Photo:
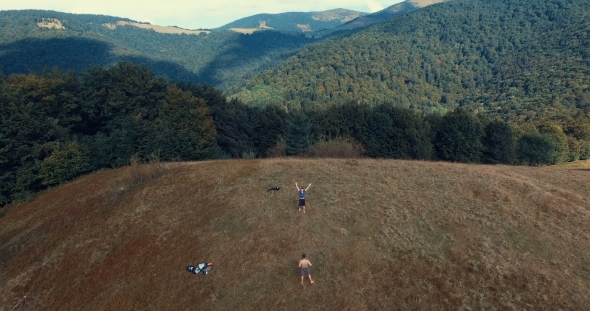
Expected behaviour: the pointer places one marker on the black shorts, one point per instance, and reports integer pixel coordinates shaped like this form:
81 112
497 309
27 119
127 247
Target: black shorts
305 270
301 202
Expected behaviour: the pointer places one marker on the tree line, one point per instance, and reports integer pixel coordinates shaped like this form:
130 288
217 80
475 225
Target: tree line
56 126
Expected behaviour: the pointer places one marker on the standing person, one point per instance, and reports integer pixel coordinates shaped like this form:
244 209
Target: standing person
304 265
302 193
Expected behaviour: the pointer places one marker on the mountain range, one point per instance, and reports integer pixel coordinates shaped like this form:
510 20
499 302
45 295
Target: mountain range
87 224
31 40
513 59
325 23
379 16
296 21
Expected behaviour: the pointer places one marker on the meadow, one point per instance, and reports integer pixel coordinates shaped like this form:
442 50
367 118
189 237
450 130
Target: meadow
381 235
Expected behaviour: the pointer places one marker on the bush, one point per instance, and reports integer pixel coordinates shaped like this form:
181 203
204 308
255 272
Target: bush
556 134
278 150
336 148
66 162
574 149
144 173
248 154
499 146
298 138
459 138
584 150
535 149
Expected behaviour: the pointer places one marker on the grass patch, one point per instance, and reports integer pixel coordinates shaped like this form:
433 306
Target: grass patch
381 234
523 242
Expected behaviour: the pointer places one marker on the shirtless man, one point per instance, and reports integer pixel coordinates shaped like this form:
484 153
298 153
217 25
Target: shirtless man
302 193
304 265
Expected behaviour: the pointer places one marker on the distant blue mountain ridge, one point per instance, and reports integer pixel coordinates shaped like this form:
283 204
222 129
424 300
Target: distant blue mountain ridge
296 21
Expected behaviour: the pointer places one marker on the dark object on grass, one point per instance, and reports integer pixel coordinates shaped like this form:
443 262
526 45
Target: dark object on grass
202 268
273 189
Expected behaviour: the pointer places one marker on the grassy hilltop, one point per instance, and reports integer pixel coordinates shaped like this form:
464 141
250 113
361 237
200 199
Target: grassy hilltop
381 234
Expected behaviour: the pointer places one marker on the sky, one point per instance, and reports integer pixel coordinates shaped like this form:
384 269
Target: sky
192 14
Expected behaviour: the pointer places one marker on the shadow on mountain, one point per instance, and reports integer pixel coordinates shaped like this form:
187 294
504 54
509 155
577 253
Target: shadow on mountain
34 55
250 54
247 55
78 54
169 70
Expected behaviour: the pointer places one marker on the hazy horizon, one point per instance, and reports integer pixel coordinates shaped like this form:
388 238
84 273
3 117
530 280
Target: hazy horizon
193 15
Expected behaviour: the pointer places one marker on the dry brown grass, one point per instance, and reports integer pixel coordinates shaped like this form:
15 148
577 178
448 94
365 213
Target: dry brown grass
248 31
583 165
262 26
341 148
423 3
381 234
50 23
156 28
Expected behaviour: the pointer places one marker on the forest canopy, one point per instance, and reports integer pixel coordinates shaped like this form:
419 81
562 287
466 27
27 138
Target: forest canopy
59 125
518 60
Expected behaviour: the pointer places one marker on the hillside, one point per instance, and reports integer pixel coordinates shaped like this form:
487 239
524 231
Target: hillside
514 59
296 21
32 40
381 234
369 19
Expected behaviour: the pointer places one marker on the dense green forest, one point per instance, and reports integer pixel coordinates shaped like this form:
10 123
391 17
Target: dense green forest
519 60
220 58
56 126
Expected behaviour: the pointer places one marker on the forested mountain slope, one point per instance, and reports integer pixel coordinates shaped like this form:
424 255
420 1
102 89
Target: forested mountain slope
517 59
218 58
379 16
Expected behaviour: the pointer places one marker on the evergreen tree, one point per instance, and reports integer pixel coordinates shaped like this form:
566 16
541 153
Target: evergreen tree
556 134
121 102
269 125
575 150
459 138
411 134
535 149
234 128
584 150
35 110
114 95
184 129
65 162
349 120
298 138
234 121
380 136
499 145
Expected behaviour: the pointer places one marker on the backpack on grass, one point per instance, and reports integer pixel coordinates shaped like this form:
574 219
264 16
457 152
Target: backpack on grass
202 268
